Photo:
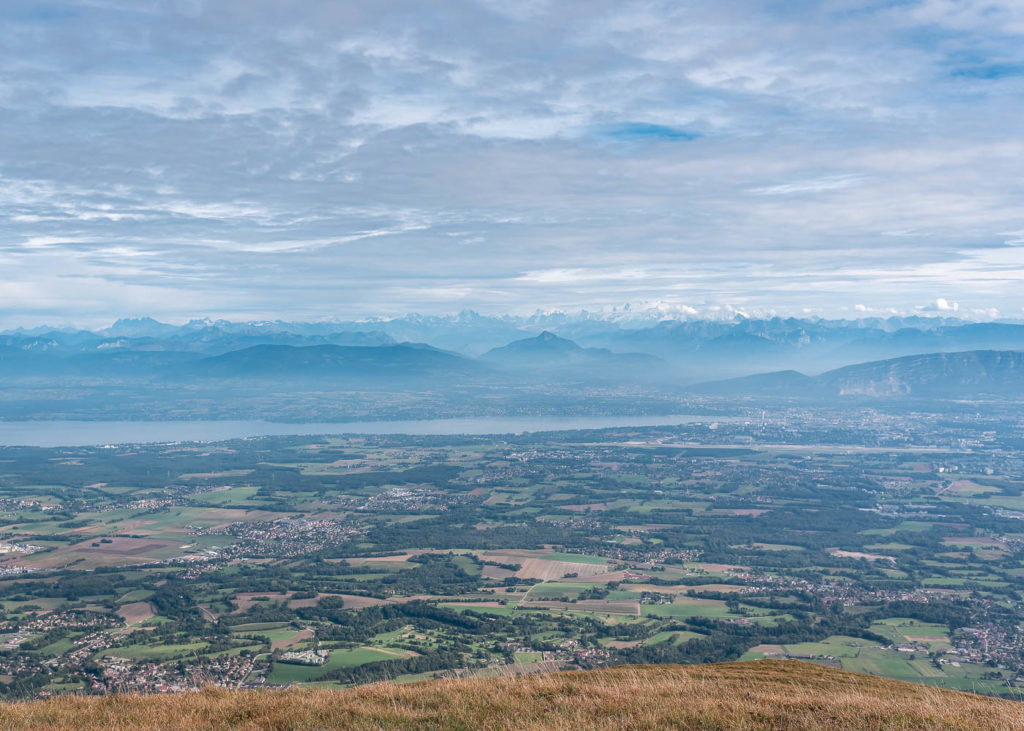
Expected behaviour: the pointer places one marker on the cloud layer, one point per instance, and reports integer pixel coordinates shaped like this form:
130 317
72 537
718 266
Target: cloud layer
314 158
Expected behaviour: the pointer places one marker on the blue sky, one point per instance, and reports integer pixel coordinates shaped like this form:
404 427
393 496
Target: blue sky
314 158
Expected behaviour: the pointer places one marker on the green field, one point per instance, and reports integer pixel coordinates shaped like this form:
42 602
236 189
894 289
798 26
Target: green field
284 673
155 652
574 558
374 547
684 607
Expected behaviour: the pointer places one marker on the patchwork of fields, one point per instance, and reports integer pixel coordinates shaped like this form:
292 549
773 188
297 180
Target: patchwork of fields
338 561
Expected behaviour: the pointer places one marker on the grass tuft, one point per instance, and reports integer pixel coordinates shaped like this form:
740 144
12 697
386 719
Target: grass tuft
766 694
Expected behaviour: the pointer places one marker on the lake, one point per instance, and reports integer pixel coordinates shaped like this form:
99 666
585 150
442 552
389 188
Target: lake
92 433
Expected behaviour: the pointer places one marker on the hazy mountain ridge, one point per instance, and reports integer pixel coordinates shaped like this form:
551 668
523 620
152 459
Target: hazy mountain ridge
699 348
937 375
209 340
404 361
967 374
555 356
668 354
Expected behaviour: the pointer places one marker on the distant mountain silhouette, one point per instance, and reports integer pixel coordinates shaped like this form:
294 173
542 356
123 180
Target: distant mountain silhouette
546 347
389 362
572 349
550 353
140 327
776 383
970 374
701 349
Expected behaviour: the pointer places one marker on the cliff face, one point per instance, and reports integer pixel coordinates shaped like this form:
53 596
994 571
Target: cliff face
768 694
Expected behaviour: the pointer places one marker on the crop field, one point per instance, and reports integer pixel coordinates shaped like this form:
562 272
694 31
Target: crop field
135 612
404 558
542 568
595 606
683 607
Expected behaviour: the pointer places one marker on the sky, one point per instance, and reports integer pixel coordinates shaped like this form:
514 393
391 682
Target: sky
308 159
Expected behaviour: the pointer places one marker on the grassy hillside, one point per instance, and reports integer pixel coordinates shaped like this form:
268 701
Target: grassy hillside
775 694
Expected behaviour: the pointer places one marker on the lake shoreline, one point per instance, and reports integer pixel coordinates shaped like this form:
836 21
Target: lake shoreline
54 433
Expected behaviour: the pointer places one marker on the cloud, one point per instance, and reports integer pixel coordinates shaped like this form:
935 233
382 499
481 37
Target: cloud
819 185
318 158
940 305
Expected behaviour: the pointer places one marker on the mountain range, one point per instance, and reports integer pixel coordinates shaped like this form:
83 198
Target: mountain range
871 358
696 349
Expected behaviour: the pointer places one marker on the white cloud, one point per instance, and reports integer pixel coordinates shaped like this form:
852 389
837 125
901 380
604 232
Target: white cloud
819 185
940 305
750 157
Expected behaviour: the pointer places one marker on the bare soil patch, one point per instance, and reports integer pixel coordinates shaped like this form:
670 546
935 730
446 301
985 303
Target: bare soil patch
213 475
973 541
134 525
124 546
244 600
496 572
859 554
769 650
602 606
308 601
397 558
597 578
724 568
538 568
516 555
391 651
135 612
967 487
623 644
354 601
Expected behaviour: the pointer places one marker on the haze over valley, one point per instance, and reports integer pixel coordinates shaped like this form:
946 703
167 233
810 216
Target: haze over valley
471 365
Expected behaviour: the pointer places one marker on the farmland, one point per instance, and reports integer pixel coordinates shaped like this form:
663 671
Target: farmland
338 560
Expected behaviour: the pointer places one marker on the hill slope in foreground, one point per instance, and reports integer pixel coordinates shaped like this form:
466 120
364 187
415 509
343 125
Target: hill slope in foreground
776 694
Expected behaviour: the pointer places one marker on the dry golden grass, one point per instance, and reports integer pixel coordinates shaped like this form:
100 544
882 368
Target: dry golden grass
767 694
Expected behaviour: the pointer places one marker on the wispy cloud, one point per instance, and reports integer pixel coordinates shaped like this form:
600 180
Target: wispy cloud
315 157
817 185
